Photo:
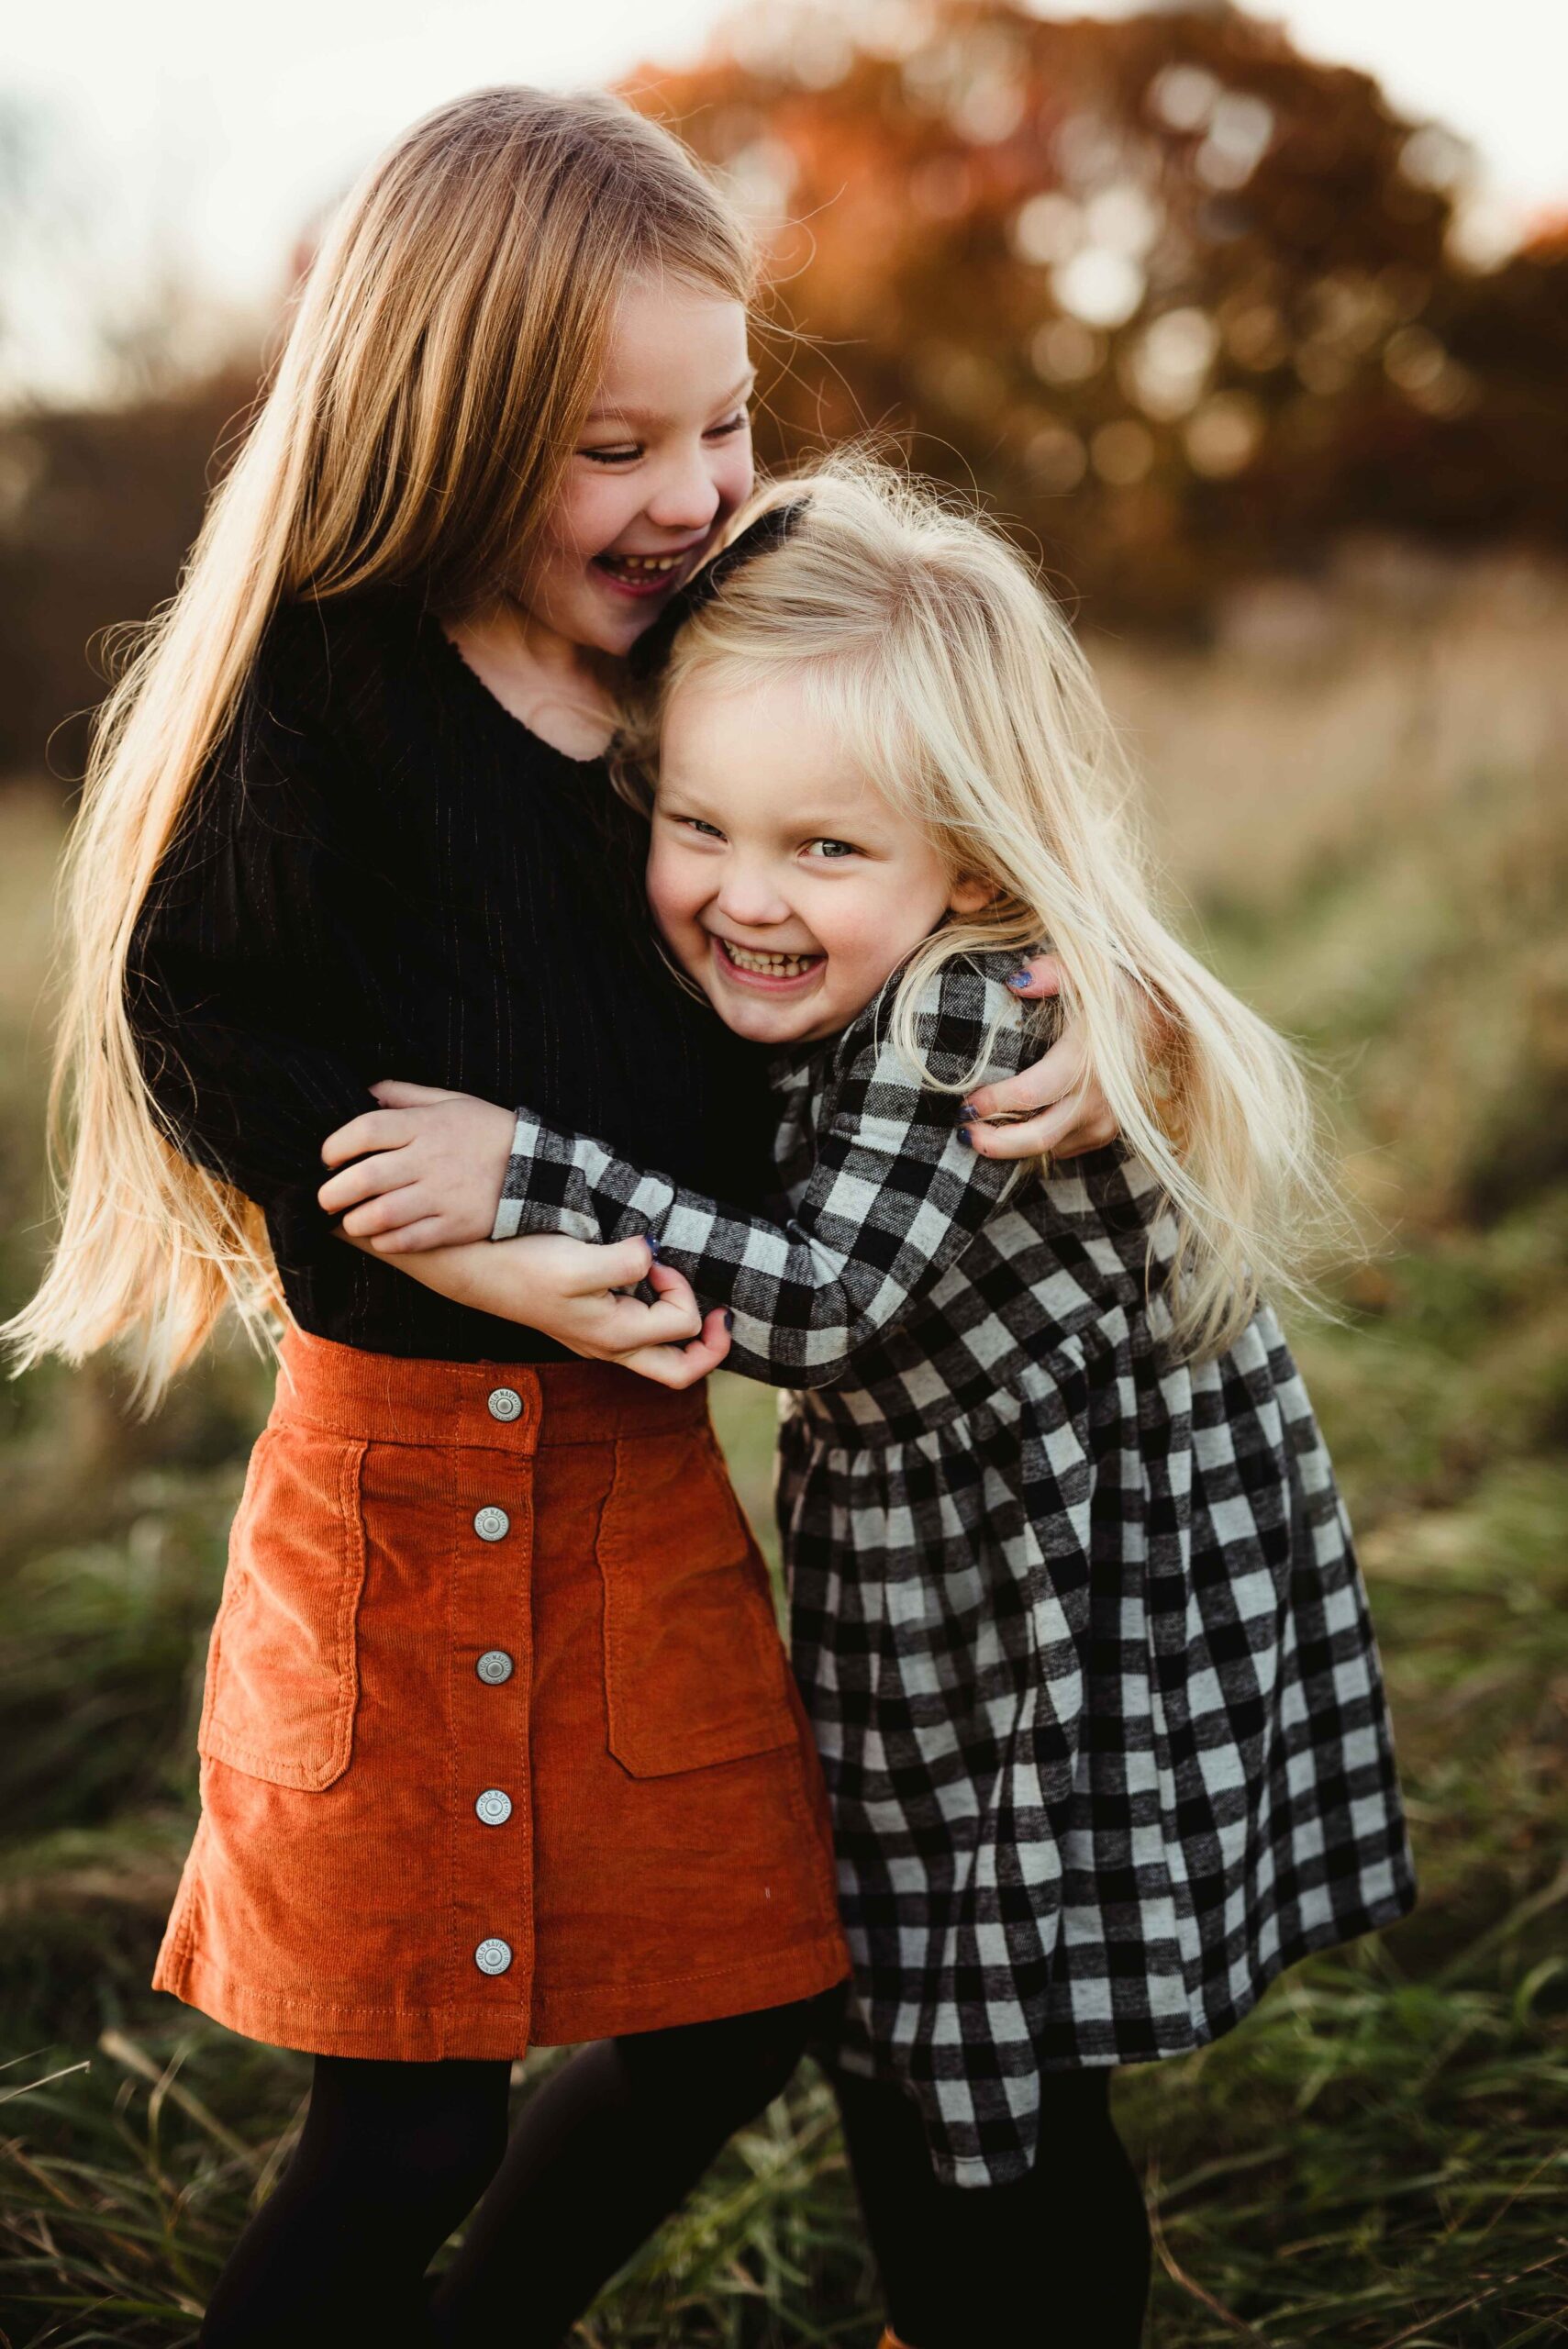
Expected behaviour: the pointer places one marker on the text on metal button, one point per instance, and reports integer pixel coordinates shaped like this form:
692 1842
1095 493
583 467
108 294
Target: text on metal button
493 1666
506 1403
493 1956
493 1807
492 1524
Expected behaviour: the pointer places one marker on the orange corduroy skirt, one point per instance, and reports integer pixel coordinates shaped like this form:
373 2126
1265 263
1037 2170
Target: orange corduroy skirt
499 1741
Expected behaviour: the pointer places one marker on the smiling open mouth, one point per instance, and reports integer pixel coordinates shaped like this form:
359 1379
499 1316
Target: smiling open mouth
757 965
644 574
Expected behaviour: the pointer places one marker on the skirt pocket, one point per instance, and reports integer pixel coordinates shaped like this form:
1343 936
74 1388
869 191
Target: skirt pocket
283 1678
695 1670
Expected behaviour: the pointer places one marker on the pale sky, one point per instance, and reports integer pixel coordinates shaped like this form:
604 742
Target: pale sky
195 137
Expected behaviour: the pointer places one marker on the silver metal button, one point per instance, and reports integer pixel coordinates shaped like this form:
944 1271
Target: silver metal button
493 1956
506 1403
493 1807
492 1524
493 1666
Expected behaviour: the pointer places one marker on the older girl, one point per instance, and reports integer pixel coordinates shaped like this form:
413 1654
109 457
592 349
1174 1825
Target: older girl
1075 1610
498 1743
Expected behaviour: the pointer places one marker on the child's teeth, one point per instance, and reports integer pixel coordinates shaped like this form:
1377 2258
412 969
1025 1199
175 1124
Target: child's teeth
773 967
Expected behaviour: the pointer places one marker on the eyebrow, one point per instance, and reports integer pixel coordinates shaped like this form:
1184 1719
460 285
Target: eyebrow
651 415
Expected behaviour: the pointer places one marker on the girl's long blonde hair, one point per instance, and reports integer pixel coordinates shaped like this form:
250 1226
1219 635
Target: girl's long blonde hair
444 349
962 694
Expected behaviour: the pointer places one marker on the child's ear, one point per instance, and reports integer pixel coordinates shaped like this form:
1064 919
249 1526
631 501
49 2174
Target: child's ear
970 894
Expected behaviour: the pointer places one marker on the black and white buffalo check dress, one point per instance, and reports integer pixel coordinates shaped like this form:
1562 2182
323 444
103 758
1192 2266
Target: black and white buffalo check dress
1080 1626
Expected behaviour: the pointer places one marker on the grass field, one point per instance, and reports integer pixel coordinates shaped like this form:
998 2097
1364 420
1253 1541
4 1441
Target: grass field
1365 817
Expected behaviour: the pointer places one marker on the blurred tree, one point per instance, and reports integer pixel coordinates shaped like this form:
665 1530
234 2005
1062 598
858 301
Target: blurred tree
1177 298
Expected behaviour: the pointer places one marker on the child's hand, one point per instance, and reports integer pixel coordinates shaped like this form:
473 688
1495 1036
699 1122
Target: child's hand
433 1178
1055 1108
679 1365
583 1295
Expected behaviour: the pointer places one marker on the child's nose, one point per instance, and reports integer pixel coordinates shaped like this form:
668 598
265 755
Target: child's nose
686 497
749 897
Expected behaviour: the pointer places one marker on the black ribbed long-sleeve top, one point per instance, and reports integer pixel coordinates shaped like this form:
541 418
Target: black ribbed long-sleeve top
384 874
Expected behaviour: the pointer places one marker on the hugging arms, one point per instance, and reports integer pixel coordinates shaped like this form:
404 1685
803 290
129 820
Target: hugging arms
418 1181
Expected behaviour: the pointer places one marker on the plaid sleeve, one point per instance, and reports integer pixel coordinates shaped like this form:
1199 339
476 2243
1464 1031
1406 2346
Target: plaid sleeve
894 1198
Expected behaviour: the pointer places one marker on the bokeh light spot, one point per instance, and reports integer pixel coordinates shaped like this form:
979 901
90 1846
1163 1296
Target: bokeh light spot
1123 221
1240 131
1225 434
1102 289
1064 350
1183 97
1047 228
1166 368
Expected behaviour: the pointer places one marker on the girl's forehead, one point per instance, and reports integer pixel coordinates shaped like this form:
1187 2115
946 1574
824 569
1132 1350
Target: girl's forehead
671 346
765 747
731 724
722 702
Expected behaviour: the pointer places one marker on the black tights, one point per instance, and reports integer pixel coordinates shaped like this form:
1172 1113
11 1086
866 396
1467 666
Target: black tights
1058 2260
611 2144
392 2156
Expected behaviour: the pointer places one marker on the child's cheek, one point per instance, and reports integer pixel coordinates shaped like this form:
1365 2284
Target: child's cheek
590 515
676 897
873 928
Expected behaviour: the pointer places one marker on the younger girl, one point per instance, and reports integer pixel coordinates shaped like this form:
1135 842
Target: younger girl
1075 1611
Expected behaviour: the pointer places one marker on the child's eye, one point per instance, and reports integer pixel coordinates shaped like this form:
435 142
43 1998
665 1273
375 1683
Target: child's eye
630 453
697 824
833 849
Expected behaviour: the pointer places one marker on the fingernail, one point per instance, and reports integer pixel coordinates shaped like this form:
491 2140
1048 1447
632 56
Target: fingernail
966 1138
729 1320
1020 979
968 1112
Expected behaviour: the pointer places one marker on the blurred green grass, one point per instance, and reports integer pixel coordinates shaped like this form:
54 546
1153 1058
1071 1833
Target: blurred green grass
1372 842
